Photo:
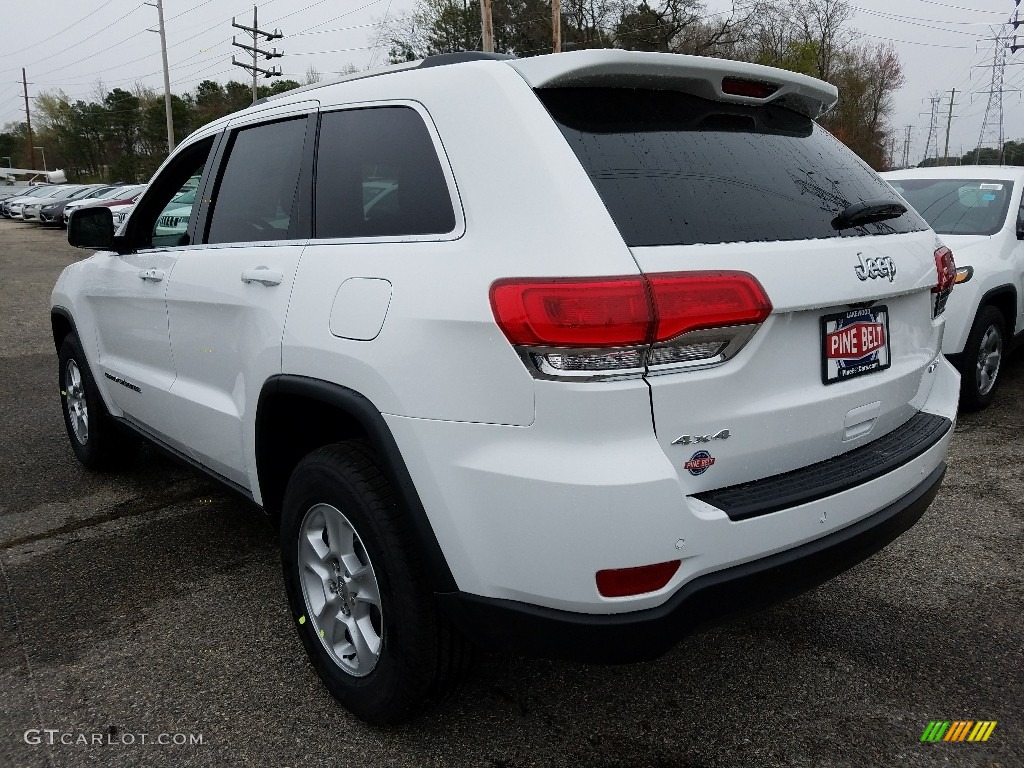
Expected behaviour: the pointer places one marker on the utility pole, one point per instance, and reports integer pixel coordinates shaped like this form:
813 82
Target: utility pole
556 26
949 122
255 31
932 125
906 148
486 26
28 121
159 5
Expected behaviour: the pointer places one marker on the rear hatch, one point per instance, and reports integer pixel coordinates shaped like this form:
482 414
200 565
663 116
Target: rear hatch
701 185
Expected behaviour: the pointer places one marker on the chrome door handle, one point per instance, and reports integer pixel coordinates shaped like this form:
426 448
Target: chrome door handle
262 275
151 275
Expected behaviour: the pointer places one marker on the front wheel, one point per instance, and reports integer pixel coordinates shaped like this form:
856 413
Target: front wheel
982 359
95 438
358 591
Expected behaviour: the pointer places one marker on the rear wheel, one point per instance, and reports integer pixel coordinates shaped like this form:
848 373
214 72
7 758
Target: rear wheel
358 589
982 359
95 437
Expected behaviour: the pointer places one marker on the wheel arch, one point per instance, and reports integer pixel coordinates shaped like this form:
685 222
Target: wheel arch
297 414
61 323
1003 298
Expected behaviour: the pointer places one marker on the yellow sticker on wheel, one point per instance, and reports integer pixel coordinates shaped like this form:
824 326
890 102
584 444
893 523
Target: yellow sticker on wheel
302 619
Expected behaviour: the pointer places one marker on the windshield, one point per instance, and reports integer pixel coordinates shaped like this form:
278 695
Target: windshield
185 197
52 192
111 193
958 206
675 169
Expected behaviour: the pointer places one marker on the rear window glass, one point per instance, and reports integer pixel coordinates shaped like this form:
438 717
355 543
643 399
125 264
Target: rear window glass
675 169
958 206
378 175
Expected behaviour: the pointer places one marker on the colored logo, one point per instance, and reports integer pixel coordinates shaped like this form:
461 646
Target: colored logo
958 730
855 341
699 463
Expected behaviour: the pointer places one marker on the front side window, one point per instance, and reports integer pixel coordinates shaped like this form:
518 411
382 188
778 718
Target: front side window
958 206
378 175
148 226
172 224
256 194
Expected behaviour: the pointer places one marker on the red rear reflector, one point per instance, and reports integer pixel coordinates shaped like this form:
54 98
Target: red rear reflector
946 269
624 311
694 301
736 86
622 582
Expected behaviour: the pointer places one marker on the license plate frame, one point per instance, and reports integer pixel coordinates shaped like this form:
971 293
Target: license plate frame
846 334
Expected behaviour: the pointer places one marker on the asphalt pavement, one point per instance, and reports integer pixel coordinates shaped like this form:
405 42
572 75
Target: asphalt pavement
147 607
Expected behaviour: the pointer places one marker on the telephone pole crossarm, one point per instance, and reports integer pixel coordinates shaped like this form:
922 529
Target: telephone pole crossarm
274 72
256 51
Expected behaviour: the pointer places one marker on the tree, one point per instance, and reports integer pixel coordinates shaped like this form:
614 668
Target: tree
312 75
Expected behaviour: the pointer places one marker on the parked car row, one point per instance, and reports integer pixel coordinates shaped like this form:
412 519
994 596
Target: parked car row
53 204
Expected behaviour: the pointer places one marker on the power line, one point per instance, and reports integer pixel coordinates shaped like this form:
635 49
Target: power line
61 32
906 20
959 7
918 42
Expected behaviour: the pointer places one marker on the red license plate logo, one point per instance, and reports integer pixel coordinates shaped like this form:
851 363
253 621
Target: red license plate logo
855 341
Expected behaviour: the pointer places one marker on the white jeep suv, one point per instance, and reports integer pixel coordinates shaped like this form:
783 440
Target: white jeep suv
565 355
978 210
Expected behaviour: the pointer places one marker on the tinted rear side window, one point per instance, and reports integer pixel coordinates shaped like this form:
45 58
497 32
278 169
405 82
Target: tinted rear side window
378 175
675 169
256 193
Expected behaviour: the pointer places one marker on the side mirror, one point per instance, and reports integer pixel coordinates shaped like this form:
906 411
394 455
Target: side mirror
92 228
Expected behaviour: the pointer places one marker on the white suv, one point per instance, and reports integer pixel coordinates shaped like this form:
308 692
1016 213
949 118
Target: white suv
978 210
565 355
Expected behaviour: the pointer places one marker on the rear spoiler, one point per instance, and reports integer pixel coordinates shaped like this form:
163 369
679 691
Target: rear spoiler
696 75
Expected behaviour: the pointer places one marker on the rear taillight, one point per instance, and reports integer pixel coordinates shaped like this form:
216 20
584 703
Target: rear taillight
945 268
624 326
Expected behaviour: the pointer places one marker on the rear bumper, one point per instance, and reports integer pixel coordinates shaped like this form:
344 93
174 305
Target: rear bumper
709 599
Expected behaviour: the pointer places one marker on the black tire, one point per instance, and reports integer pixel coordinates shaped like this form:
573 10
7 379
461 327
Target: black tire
103 445
421 655
976 390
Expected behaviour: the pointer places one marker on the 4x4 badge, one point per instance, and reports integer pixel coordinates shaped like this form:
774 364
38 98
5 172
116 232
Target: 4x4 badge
874 267
692 439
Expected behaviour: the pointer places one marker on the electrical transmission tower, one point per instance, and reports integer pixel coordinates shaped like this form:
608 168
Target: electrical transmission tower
994 107
933 125
256 32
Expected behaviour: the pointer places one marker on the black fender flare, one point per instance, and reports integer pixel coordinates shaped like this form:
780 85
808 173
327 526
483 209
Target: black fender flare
369 417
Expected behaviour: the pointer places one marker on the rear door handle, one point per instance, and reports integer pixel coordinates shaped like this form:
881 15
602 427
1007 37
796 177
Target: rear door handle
151 275
262 275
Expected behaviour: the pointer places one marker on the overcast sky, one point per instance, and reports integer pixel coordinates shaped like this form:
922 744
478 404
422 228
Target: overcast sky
70 47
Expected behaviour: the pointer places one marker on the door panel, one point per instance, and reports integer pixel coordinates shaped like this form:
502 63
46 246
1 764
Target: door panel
227 299
226 341
135 362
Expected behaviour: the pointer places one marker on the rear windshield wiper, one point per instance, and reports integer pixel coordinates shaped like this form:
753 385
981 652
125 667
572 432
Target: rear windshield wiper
867 212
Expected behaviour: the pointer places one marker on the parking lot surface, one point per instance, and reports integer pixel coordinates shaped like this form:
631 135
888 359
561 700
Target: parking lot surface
150 605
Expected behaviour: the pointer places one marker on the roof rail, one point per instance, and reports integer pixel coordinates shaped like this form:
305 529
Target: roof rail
443 59
437 60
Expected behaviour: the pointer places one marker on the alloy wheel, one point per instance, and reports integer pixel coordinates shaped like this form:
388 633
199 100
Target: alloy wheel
78 409
990 355
340 590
